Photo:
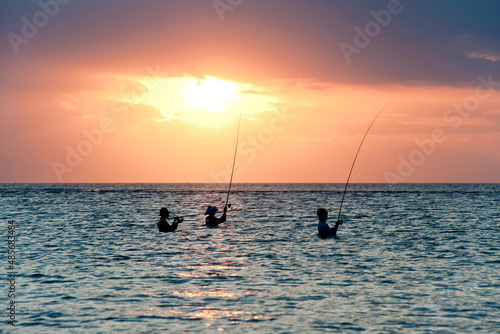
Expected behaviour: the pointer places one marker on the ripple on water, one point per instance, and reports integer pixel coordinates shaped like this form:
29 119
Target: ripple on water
409 258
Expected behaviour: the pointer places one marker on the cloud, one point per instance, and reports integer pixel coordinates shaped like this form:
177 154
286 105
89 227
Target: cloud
251 91
487 56
84 64
293 39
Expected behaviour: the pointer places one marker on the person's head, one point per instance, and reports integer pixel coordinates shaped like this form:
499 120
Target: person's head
322 214
211 210
164 213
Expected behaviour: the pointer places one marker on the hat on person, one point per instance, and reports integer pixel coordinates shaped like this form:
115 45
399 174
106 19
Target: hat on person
211 210
163 210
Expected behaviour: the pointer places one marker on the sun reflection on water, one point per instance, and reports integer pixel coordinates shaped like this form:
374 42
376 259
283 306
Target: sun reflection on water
211 292
202 313
227 268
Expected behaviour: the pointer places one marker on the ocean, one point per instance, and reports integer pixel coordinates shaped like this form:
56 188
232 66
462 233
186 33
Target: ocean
409 258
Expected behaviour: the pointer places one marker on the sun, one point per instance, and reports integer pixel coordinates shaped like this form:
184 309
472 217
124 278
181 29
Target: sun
204 102
211 94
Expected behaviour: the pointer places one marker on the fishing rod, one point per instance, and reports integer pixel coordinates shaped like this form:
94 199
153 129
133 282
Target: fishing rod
234 161
201 214
359 148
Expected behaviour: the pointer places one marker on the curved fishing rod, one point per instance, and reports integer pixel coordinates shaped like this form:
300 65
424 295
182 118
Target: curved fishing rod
359 148
234 160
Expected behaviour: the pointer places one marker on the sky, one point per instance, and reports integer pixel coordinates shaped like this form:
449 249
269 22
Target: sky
152 91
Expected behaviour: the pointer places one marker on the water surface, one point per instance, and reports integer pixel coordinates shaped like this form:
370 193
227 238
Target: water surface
415 258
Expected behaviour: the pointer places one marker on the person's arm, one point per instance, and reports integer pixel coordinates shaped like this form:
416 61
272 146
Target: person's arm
167 227
222 218
175 224
334 230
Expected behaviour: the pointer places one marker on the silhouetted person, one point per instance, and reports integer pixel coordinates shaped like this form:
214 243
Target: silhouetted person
324 231
211 220
163 225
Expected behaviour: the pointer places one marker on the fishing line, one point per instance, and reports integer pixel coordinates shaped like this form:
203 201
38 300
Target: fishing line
359 148
201 214
234 160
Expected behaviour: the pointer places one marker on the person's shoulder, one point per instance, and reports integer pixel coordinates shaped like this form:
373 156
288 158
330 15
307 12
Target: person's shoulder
163 221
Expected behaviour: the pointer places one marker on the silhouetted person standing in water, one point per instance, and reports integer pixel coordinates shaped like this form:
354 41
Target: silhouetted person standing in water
324 231
163 225
211 220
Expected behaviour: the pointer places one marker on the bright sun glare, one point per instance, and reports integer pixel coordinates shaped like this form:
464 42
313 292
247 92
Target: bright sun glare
205 102
211 94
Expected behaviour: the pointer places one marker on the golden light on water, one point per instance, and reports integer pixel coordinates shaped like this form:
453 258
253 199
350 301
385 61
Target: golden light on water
211 270
201 312
219 293
206 313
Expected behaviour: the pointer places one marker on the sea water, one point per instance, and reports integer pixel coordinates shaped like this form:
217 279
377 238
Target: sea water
409 258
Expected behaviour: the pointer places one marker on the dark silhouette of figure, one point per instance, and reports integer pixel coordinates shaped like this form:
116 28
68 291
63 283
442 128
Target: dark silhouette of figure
163 225
211 220
324 231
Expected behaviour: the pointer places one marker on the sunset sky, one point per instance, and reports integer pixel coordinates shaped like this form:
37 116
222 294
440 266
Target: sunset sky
151 91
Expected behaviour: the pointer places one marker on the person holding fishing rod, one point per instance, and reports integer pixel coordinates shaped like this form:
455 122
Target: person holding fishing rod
163 225
213 221
324 230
